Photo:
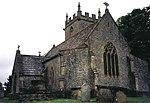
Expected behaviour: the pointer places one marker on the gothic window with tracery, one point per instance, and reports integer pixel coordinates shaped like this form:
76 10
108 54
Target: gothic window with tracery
110 58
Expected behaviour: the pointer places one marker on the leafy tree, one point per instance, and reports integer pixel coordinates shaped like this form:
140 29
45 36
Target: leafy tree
8 86
135 26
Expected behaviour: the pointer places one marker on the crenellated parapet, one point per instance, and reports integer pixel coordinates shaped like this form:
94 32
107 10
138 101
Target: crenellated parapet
79 21
80 16
75 17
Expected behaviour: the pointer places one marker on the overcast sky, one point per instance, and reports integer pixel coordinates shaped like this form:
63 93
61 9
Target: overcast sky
36 25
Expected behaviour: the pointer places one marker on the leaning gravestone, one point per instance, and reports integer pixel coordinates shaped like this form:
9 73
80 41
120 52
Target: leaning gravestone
104 96
121 97
85 92
1 91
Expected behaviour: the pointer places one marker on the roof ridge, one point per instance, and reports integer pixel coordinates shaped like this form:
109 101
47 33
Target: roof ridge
31 55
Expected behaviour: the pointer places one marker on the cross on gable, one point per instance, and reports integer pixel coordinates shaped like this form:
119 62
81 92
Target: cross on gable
39 53
18 47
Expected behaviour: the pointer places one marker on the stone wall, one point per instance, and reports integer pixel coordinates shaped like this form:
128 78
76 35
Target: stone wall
32 84
105 32
77 68
53 74
141 73
81 56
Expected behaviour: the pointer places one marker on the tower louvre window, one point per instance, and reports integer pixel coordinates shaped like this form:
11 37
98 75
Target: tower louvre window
71 31
110 57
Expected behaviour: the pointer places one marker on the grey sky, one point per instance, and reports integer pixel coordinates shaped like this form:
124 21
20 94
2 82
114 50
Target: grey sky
36 25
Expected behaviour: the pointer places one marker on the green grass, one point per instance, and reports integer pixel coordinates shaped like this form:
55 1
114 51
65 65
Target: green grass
138 100
129 99
50 101
57 101
6 100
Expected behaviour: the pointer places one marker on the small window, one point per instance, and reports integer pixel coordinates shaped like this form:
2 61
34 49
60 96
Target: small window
71 30
108 24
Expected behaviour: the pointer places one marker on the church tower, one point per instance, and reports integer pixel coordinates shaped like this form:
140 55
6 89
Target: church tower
78 22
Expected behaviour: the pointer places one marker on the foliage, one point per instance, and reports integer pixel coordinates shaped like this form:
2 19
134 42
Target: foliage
8 86
135 26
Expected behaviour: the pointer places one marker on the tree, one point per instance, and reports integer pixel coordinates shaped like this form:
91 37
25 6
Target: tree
135 26
8 86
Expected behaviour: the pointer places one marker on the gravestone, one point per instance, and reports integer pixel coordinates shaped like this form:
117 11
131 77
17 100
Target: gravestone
121 97
104 96
85 92
1 91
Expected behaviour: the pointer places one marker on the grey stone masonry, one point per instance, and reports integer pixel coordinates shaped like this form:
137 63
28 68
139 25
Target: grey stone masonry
27 69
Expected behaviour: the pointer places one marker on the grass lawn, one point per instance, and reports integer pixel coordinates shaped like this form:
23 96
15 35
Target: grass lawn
50 101
138 100
129 99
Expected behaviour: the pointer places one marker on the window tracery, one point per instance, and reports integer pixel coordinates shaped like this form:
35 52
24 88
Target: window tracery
110 57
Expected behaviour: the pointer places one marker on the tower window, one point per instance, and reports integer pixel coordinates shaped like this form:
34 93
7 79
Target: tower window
71 30
110 57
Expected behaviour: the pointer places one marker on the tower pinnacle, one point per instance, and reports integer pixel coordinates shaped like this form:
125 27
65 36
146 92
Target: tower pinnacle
99 13
79 9
66 18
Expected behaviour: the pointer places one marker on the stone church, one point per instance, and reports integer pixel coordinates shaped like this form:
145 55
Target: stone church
94 51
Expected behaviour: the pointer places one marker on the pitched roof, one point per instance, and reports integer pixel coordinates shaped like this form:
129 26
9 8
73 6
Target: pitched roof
31 65
72 42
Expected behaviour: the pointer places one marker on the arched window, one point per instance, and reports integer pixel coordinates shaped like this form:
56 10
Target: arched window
51 75
71 30
110 57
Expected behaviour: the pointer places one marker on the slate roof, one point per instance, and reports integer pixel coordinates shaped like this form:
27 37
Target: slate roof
32 65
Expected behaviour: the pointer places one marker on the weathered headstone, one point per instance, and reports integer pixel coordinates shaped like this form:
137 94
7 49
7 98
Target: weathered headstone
104 96
1 91
85 92
121 97
76 94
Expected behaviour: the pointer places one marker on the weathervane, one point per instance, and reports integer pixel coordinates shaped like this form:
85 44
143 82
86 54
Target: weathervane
106 4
